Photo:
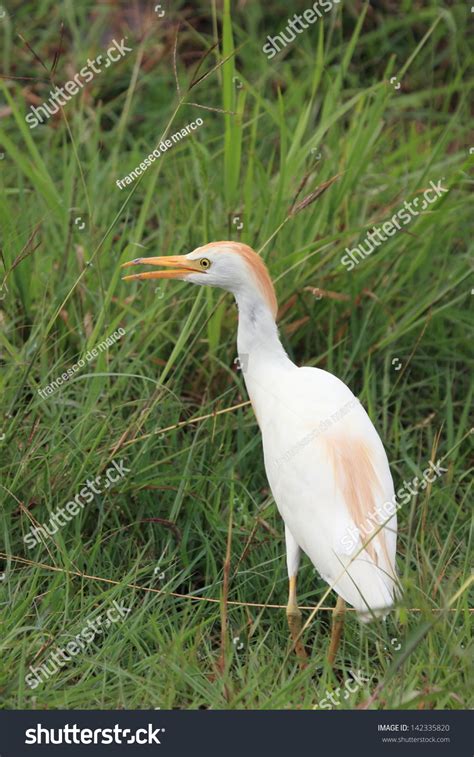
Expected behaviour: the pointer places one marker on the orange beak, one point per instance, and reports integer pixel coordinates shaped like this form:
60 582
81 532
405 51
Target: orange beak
182 266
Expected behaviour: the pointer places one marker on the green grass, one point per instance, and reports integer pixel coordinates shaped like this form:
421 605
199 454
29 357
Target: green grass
194 494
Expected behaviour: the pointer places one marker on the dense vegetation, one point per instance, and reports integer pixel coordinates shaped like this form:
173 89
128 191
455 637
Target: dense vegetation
166 398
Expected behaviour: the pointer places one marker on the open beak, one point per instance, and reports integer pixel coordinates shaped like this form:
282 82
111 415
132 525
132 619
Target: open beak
181 265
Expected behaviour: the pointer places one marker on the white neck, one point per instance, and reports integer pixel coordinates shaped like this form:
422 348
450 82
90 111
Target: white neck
257 334
260 351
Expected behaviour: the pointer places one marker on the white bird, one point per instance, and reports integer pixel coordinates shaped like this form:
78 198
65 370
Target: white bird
325 462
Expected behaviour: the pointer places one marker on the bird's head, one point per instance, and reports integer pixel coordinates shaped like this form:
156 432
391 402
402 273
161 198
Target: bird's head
232 266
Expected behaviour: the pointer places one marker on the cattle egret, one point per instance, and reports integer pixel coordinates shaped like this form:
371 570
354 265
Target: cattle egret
325 463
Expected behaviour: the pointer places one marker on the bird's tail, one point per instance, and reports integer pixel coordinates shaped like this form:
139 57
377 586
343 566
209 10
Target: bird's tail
372 591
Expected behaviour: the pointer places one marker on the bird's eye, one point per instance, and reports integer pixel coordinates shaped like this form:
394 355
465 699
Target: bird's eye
205 263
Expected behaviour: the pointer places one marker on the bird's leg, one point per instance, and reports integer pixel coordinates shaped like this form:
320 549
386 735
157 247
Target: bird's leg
336 631
293 614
